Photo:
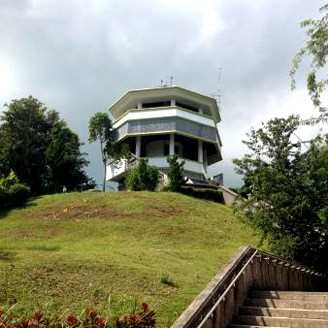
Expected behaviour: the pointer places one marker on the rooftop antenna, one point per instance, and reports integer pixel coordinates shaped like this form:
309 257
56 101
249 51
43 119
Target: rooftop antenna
162 83
171 80
218 95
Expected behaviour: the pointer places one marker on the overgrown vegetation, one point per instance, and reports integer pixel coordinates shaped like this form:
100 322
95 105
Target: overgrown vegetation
12 193
175 173
142 177
67 252
287 191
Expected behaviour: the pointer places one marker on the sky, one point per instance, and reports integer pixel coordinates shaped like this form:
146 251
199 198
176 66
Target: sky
79 56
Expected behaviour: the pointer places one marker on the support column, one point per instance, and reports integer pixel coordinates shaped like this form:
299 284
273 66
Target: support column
171 144
139 105
138 146
173 103
200 152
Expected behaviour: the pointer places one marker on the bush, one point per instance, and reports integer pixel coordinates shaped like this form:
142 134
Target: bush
166 279
175 173
19 194
143 177
12 193
4 197
208 194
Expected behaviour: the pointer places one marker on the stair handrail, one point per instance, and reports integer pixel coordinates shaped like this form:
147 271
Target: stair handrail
231 285
296 266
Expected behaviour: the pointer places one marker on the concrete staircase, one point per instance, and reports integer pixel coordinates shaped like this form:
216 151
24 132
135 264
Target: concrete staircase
283 309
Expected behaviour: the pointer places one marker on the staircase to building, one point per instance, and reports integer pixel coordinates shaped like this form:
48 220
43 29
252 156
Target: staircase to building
257 289
283 309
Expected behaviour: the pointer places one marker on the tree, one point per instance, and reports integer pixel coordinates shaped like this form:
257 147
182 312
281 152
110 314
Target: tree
65 160
27 131
175 173
100 128
316 48
288 191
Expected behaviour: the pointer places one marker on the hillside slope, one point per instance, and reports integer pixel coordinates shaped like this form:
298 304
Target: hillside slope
70 251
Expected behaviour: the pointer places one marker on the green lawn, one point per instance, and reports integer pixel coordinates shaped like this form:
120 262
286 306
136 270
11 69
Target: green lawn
66 252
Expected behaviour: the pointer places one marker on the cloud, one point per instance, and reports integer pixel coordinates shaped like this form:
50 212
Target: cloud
78 56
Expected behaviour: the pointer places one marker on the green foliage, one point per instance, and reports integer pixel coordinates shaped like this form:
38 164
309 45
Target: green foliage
37 145
166 279
9 181
100 129
143 177
12 193
316 49
288 191
65 160
204 193
19 194
175 173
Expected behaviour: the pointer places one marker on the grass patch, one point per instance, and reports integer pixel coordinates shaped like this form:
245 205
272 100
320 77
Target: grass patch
67 252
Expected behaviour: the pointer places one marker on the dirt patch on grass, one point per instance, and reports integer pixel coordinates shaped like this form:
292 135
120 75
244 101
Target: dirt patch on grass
80 212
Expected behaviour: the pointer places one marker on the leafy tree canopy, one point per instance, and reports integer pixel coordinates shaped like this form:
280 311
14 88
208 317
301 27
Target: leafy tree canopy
316 49
287 191
33 142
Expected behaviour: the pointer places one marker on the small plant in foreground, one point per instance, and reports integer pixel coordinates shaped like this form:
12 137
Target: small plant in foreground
90 318
166 279
145 318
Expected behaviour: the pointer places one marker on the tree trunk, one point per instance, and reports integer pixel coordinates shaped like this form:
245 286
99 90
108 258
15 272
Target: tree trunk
105 166
105 173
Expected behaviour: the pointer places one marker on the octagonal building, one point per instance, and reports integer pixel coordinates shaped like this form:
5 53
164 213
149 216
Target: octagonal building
158 122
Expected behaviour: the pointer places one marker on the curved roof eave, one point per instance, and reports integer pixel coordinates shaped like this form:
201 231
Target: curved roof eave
163 91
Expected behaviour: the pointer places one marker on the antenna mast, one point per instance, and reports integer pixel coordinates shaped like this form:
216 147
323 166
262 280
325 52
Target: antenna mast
217 94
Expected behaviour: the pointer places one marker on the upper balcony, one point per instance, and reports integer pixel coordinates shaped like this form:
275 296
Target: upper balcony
172 119
160 98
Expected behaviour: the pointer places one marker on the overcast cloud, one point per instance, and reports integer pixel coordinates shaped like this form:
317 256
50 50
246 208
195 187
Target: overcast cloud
79 56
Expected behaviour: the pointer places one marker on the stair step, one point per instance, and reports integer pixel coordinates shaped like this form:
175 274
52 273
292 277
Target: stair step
284 295
279 312
281 321
291 304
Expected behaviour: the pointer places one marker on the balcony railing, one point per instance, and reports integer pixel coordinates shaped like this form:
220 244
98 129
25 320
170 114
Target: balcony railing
118 170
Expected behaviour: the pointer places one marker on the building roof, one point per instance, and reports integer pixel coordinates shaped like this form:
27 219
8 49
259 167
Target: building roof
131 98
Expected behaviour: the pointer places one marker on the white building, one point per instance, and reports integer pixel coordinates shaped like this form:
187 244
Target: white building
159 122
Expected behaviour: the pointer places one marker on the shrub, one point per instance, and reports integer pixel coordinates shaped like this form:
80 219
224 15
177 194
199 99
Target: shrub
4 197
166 279
143 177
175 173
12 193
19 194
206 193
9 180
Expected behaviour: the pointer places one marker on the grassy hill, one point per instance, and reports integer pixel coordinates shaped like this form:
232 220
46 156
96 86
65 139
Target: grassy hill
66 252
